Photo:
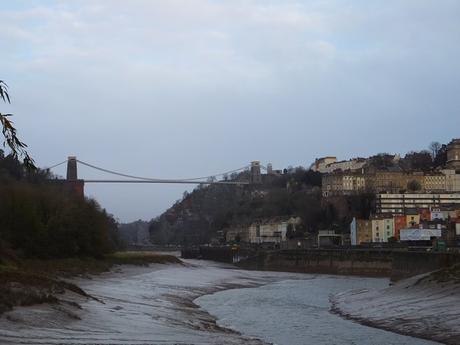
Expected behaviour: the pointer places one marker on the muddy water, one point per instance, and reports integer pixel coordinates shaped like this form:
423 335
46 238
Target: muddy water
154 305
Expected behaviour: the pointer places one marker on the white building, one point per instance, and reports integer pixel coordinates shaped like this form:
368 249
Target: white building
419 234
320 164
271 230
327 165
382 229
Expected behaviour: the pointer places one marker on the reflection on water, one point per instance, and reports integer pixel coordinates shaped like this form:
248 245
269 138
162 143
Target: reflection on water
154 305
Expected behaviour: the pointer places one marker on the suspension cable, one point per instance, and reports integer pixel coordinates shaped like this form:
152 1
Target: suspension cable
55 165
150 178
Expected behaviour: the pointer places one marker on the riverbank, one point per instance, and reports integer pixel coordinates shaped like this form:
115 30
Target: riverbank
134 305
156 304
29 282
425 306
297 312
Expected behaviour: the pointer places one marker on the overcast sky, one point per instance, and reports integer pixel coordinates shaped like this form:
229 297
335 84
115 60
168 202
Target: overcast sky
188 88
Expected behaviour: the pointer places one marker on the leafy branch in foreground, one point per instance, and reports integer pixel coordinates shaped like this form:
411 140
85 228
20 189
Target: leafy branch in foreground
17 147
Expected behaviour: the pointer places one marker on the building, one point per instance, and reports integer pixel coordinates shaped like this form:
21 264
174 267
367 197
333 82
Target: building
320 164
343 183
412 218
389 181
360 231
453 154
382 229
353 232
328 238
353 183
379 181
399 223
435 182
452 180
425 215
327 165
269 169
400 203
236 234
436 213
272 230
353 164
419 234
392 181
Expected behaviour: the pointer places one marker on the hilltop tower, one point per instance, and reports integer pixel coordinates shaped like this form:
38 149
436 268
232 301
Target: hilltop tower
269 169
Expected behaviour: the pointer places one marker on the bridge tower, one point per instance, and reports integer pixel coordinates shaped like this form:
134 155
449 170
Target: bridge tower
256 176
72 168
74 184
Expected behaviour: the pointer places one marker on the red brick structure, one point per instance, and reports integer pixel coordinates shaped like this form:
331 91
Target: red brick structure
400 223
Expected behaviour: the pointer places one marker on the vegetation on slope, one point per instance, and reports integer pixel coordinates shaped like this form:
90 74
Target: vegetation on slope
297 191
199 215
40 218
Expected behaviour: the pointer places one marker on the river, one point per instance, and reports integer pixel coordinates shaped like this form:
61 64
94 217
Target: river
197 303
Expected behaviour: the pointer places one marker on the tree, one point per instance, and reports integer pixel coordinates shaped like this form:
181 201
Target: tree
418 160
441 158
17 147
382 161
414 186
434 148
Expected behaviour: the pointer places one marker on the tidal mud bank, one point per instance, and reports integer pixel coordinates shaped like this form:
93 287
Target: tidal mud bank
133 305
426 306
32 281
157 304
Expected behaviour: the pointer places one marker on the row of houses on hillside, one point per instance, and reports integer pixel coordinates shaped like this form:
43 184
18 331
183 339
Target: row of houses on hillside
356 176
388 228
389 181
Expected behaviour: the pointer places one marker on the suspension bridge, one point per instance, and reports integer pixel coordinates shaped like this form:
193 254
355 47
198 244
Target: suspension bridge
72 179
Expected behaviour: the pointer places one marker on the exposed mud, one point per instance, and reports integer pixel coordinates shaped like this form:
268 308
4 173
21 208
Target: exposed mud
426 306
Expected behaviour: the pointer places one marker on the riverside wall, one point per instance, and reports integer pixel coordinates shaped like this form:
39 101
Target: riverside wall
408 264
395 264
340 261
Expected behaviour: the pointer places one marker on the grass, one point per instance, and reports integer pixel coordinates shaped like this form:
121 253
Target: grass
141 258
33 281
